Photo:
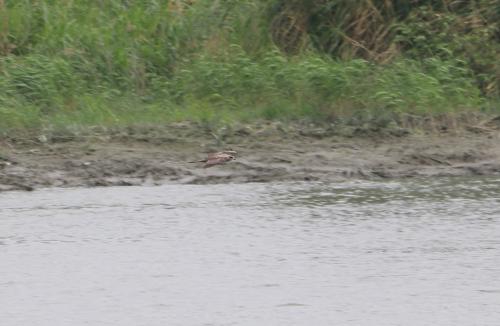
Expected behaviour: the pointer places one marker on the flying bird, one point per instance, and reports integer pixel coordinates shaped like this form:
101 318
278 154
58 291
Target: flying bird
217 158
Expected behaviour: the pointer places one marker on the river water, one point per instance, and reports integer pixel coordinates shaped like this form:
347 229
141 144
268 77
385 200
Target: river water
352 253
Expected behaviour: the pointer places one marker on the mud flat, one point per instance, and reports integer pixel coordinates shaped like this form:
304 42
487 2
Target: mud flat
266 153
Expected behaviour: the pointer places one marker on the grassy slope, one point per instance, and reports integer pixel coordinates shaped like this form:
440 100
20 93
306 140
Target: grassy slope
66 64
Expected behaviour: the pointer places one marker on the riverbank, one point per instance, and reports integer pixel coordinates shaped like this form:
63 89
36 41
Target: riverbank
266 152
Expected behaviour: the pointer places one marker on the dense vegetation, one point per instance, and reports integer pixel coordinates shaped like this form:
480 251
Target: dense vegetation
66 63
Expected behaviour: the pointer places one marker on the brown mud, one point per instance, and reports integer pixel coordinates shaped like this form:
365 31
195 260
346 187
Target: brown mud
266 153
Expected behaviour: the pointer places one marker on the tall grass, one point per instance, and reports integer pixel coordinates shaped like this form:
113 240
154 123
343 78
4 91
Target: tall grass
382 30
118 62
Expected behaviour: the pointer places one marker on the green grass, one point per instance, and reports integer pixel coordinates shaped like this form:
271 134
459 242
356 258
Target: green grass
76 64
47 93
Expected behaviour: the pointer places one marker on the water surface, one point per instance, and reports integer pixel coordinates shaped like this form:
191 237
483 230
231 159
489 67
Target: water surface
352 253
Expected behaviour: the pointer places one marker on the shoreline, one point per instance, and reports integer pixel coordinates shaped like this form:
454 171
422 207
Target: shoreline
266 153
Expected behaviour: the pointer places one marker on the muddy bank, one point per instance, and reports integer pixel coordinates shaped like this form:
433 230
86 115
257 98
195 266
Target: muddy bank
272 152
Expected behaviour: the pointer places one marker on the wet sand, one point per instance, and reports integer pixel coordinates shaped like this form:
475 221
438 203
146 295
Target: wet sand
266 153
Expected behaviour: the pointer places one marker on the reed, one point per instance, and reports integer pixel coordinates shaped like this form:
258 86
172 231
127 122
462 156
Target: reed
118 62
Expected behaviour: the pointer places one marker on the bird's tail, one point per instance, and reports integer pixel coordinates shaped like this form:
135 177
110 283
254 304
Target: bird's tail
200 161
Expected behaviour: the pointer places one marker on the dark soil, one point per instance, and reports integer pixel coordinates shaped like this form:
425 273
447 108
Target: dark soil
266 153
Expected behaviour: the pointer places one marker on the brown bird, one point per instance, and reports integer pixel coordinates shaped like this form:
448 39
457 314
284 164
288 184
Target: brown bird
217 158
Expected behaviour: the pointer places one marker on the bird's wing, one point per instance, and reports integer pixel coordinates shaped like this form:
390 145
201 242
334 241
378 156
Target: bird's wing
223 153
218 160
216 154
213 155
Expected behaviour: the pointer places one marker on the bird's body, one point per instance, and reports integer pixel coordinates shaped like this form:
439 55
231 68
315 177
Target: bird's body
217 158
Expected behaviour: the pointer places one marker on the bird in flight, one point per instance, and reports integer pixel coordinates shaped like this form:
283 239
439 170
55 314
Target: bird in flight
217 158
